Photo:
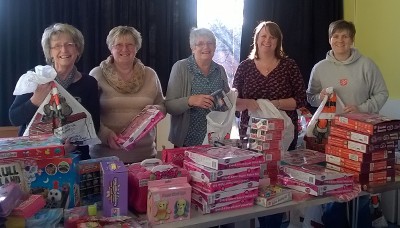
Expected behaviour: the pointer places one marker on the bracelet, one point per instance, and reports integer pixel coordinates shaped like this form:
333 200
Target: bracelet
279 104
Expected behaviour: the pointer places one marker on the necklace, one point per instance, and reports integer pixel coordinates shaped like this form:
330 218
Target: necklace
267 68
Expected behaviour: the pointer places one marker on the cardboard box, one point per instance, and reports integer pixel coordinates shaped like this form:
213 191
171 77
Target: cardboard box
363 137
262 135
39 146
29 207
389 145
224 196
206 208
266 124
226 185
114 189
359 156
362 167
282 197
301 157
367 123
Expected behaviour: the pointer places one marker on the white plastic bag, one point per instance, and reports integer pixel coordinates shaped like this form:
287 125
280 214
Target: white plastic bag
268 110
29 81
219 124
62 115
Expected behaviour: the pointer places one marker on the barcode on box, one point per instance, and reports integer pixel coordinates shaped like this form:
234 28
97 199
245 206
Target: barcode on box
353 157
311 179
214 165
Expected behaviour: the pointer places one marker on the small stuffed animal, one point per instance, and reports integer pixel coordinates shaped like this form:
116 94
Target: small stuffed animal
181 208
162 211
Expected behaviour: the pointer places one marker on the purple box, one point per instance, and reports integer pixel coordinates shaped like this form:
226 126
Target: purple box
114 188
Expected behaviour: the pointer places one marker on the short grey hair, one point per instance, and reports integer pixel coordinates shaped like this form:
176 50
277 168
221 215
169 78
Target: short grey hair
120 31
57 29
195 33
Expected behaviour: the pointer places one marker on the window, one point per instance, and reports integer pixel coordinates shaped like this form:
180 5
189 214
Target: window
227 27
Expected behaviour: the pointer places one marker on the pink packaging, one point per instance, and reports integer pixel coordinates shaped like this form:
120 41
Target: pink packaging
176 155
262 135
225 157
209 175
363 137
367 122
266 124
10 196
225 185
315 190
259 145
29 207
224 196
205 208
316 174
301 157
168 200
281 197
139 127
141 173
364 148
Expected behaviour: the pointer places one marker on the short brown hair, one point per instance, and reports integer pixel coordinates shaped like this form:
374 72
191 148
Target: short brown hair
342 25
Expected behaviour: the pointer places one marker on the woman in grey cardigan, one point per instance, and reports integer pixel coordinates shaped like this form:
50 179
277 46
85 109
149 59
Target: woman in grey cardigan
191 83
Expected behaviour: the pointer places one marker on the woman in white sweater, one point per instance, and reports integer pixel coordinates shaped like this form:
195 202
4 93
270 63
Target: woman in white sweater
126 87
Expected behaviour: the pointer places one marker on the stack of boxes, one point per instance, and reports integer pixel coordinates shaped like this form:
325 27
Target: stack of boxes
364 144
265 137
223 178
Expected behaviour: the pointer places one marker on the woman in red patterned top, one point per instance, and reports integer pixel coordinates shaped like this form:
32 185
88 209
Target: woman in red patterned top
269 74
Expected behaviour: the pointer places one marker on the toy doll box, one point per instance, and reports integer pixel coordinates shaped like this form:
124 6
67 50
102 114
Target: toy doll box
40 146
316 174
141 173
206 208
168 200
367 123
226 185
362 167
359 156
56 179
363 137
281 197
259 145
364 148
115 188
225 157
266 124
139 127
301 157
176 155
209 175
224 196
265 135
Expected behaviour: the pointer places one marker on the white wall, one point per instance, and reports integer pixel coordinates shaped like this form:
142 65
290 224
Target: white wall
391 108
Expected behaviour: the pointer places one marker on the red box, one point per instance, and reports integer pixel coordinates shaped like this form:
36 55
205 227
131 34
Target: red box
363 137
265 135
29 207
365 148
362 167
38 146
367 122
259 145
176 155
267 124
359 156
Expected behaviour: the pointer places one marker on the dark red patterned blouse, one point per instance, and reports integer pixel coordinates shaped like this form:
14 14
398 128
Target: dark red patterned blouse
284 81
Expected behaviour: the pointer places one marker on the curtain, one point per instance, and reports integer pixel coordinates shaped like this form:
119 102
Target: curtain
304 24
163 24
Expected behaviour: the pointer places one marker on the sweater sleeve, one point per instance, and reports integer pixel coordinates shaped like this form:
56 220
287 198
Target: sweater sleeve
22 110
175 102
314 88
378 92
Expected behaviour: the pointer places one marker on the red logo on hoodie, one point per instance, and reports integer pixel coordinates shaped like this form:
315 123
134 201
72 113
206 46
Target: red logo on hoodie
343 82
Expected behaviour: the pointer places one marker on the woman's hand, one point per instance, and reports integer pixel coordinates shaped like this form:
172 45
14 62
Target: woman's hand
40 94
350 109
201 101
252 105
68 147
112 141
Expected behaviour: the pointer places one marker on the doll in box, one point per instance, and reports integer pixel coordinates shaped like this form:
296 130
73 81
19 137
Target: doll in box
181 208
162 211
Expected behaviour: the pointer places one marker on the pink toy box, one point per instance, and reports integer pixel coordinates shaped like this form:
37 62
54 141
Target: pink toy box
139 127
266 124
224 196
225 157
367 123
226 185
176 155
168 200
141 173
209 175
10 196
301 157
265 135
206 208
359 156
29 207
39 146
115 188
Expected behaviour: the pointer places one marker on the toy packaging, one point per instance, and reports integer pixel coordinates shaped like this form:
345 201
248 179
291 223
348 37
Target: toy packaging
226 185
168 200
176 155
11 172
365 148
140 174
29 207
10 196
226 157
39 146
316 174
209 175
221 102
139 127
89 180
301 157
206 208
266 124
281 197
367 123
359 156
115 188
224 196
265 135
363 137
362 167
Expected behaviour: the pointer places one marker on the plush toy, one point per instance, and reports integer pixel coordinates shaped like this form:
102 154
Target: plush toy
181 208
162 211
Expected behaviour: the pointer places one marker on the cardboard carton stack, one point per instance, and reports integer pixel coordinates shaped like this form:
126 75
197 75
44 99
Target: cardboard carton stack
265 137
364 144
223 178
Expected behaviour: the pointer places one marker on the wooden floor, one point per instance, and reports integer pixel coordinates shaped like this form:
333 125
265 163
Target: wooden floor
8 131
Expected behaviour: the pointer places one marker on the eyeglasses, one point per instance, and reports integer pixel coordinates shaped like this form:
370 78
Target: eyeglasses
66 46
119 47
203 44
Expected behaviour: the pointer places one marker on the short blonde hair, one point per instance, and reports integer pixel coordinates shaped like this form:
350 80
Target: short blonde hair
120 31
57 29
